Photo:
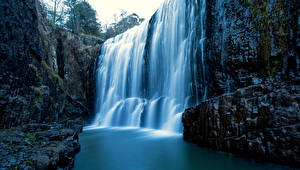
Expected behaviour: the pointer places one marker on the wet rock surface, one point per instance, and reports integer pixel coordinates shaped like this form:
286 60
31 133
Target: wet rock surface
46 72
247 41
40 146
19 52
260 121
42 68
252 79
71 57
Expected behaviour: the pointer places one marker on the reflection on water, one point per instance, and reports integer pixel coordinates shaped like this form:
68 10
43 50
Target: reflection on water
145 149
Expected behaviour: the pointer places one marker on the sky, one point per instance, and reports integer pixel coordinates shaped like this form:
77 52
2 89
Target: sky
107 8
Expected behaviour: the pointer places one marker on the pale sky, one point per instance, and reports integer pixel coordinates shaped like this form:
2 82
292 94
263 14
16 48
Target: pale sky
107 8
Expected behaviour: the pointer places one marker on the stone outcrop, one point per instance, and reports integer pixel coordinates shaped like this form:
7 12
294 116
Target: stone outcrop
46 72
252 70
247 41
73 58
20 57
40 146
46 87
261 121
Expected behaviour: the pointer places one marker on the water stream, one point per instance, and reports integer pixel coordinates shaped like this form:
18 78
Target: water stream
147 76
145 149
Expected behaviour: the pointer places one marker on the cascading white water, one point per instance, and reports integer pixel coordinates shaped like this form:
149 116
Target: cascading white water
145 76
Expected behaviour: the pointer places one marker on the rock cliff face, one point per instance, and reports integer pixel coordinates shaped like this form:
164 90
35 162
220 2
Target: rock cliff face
71 57
252 62
260 121
247 41
46 87
21 55
46 72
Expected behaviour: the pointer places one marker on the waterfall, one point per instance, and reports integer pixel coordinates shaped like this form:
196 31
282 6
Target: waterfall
148 75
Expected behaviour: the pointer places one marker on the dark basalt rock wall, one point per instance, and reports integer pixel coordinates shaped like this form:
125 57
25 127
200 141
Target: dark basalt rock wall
261 121
247 41
46 72
21 55
252 62
46 87
72 58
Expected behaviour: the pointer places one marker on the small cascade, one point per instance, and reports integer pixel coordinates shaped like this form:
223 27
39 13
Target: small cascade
148 75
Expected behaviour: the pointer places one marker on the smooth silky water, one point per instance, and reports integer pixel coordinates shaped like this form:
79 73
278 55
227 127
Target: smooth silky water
144 149
146 78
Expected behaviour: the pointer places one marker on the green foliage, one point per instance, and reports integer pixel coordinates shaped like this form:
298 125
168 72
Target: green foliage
254 74
37 90
52 73
124 24
247 3
87 19
30 138
54 10
82 18
276 62
21 99
263 18
72 21
59 16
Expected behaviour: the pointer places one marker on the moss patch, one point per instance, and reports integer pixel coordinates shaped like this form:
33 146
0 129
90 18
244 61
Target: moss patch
52 74
271 25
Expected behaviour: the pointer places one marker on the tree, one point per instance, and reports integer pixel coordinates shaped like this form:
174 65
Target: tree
56 4
126 22
55 11
82 18
72 22
87 19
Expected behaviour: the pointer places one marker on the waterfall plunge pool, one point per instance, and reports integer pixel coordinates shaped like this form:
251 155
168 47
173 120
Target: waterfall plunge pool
145 149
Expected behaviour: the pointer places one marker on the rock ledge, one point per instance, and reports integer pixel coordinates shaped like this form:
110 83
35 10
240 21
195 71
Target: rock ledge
40 146
260 121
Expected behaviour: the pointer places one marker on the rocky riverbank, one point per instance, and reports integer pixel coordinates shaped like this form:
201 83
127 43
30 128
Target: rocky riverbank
46 82
259 121
40 146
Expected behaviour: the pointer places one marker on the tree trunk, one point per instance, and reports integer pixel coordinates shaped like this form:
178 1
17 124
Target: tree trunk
54 12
